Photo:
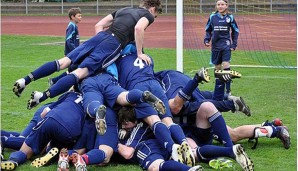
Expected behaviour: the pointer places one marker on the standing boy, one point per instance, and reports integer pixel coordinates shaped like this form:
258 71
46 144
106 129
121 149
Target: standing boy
218 28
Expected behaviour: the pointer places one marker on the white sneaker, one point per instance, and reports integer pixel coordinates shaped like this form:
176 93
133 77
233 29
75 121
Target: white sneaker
34 101
78 162
63 164
196 168
177 153
242 158
19 87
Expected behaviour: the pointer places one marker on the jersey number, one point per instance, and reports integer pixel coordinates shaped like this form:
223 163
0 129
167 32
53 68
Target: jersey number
139 63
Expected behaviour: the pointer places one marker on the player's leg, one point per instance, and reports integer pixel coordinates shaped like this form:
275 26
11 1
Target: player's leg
208 115
43 71
226 58
62 86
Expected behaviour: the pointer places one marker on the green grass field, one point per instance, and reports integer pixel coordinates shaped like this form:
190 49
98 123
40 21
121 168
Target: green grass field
270 93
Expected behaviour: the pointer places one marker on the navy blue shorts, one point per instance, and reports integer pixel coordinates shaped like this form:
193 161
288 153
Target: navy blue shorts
96 53
99 89
217 57
200 136
48 130
149 151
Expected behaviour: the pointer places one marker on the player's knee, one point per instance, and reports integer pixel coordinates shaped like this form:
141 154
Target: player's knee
64 63
154 166
108 152
207 108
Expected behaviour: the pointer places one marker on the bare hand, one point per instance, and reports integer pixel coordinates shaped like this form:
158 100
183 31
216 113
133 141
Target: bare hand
207 44
145 58
232 49
44 112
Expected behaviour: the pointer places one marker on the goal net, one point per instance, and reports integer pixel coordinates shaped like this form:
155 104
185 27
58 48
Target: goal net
267 32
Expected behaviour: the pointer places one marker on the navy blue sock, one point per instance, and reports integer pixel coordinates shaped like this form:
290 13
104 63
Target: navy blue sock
95 156
135 96
274 131
177 133
163 135
219 128
9 133
185 92
62 86
18 156
228 84
219 90
172 165
43 71
55 79
92 108
14 143
213 151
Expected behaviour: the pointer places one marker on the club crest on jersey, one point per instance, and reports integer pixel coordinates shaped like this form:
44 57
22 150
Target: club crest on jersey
228 19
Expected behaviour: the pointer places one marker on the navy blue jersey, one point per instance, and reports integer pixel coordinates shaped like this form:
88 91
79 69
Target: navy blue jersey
218 29
72 38
141 132
132 70
68 111
125 20
172 81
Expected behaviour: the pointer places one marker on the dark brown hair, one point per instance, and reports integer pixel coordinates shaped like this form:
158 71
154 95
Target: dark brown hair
126 114
152 3
74 12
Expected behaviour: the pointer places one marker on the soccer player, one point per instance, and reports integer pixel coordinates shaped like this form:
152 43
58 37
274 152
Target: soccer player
222 29
140 147
135 74
65 116
113 33
176 83
274 129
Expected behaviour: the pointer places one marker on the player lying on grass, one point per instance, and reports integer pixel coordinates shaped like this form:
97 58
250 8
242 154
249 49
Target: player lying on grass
138 146
65 116
274 129
176 83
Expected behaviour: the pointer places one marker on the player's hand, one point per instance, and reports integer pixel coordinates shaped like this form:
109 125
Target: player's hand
207 44
232 49
145 58
44 112
123 134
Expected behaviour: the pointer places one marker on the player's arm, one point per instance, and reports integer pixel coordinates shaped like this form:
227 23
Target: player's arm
104 23
69 37
140 27
234 34
208 32
125 151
